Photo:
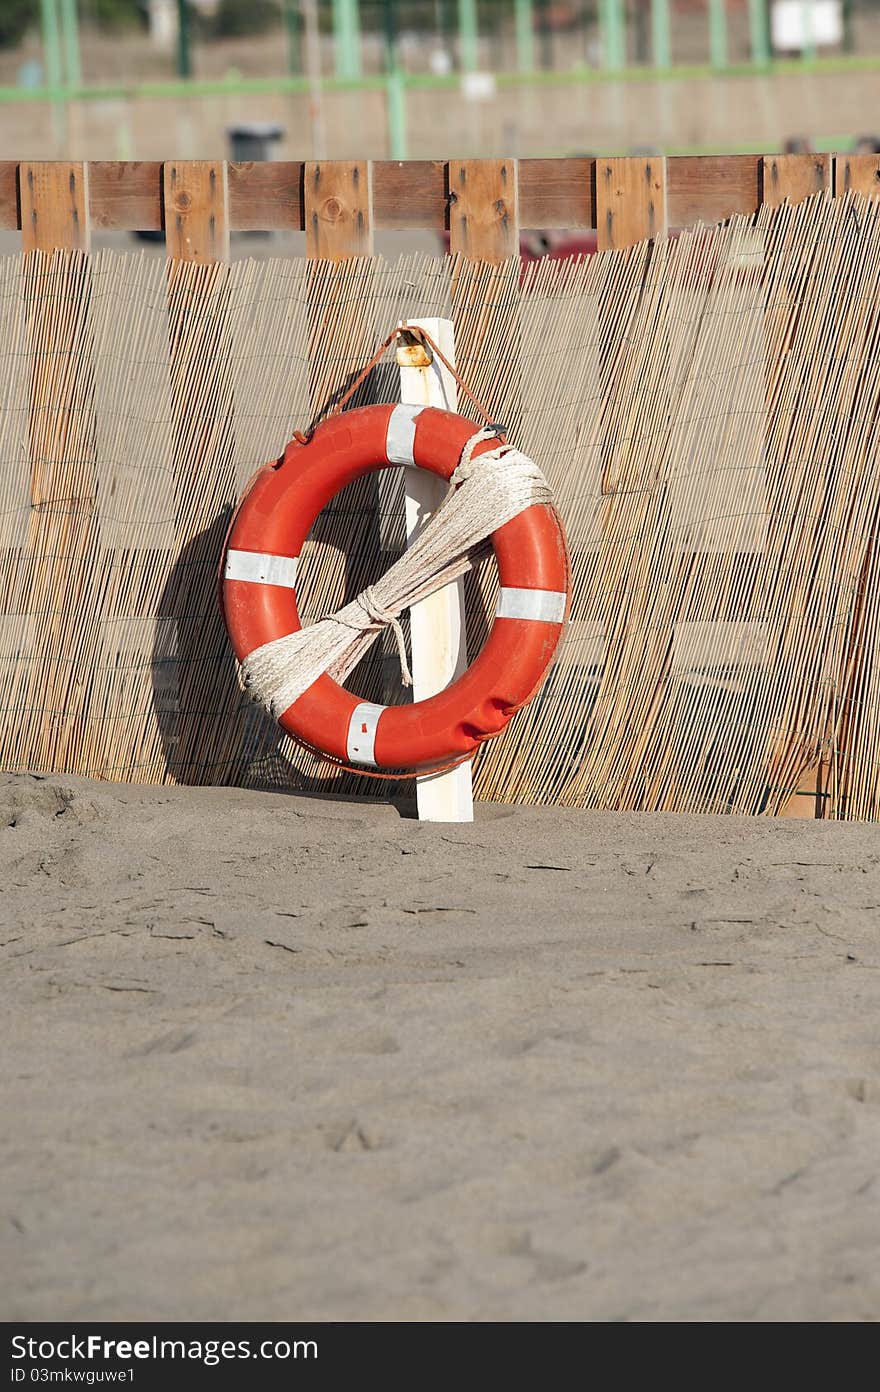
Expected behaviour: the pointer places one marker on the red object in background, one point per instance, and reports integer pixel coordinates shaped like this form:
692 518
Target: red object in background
555 245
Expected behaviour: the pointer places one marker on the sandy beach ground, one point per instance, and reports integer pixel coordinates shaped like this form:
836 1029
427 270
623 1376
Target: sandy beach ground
286 1058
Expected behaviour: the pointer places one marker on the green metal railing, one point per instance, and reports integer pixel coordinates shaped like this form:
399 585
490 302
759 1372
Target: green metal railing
60 29
63 76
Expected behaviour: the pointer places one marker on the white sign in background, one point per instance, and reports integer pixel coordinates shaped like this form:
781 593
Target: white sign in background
800 24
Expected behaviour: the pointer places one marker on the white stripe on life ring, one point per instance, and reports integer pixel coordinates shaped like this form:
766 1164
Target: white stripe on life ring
546 606
361 742
401 434
261 569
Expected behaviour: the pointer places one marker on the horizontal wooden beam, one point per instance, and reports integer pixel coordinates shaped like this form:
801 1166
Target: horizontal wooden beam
411 193
266 197
710 188
553 194
557 193
126 195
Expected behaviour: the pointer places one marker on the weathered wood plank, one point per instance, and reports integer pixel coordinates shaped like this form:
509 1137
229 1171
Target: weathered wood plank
410 193
126 195
9 220
552 193
266 197
342 336
556 193
794 177
338 209
630 209
55 218
710 188
484 209
54 200
861 173
630 200
208 744
196 199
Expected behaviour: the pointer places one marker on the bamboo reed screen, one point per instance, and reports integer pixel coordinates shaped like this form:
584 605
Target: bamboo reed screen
707 409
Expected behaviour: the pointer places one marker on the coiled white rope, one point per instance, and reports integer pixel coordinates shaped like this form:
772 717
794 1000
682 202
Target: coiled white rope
485 493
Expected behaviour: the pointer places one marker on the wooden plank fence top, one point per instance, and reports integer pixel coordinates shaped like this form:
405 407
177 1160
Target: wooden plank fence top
483 204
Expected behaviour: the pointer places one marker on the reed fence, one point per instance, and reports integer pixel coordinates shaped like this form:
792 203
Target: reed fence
707 408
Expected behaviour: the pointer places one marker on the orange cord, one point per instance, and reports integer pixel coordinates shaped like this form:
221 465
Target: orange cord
420 335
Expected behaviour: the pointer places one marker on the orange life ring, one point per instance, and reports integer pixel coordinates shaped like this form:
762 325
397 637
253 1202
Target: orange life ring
259 595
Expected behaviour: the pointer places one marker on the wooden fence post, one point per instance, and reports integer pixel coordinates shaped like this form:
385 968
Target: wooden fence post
794 178
631 207
55 218
338 211
484 209
484 228
342 337
630 201
209 726
338 218
859 173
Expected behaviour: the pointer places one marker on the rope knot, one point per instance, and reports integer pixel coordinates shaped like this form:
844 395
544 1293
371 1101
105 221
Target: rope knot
381 617
375 612
466 464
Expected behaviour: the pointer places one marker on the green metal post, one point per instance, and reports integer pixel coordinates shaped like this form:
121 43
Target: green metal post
759 37
612 25
389 26
809 49
641 44
70 34
395 96
544 29
467 35
718 33
51 43
525 43
443 21
660 42
184 60
292 37
347 38
395 93
354 26
52 71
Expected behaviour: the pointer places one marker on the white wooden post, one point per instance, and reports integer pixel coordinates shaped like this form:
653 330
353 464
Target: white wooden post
439 648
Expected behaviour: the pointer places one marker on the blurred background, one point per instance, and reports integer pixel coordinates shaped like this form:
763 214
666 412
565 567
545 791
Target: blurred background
421 79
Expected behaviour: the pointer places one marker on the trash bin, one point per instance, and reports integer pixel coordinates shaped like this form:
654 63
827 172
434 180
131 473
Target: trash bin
252 141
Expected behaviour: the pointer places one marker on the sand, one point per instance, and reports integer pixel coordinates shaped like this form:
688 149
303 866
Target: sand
287 1058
